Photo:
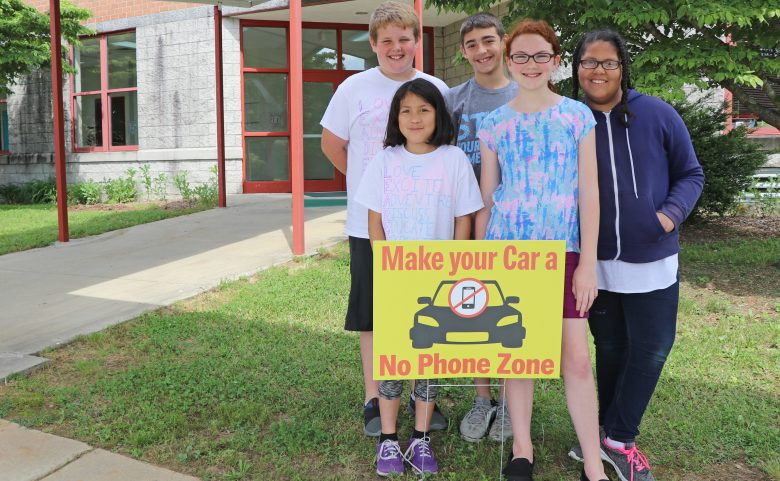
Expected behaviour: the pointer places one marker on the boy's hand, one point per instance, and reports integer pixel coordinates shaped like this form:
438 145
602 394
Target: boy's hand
585 287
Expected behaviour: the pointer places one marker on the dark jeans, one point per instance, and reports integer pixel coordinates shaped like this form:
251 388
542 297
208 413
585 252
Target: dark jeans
633 334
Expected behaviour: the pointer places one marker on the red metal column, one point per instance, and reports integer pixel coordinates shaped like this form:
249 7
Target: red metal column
59 133
220 105
418 54
296 124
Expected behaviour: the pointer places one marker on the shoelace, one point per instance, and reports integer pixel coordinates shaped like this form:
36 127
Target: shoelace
637 460
502 413
424 446
425 452
389 449
478 414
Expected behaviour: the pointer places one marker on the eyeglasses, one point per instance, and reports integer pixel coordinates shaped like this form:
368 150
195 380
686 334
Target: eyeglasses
591 64
521 58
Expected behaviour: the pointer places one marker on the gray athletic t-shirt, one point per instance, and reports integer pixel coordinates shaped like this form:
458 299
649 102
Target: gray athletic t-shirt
469 103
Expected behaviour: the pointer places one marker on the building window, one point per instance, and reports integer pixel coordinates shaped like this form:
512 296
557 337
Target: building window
331 53
3 124
105 93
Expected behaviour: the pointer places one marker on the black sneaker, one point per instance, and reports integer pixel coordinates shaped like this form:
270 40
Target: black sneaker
519 469
438 421
629 463
584 477
372 424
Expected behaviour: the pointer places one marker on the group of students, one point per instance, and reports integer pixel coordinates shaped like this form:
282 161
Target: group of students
510 159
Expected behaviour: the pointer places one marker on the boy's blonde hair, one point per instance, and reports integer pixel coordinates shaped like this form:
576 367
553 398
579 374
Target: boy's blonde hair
395 13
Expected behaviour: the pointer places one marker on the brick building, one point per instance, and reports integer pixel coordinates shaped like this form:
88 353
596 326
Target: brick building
144 92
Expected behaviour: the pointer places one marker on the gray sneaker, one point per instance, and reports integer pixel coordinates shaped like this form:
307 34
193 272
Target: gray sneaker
629 463
575 452
475 424
501 430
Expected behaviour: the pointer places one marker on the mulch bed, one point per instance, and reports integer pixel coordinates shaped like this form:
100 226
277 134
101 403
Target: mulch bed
170 205
733 227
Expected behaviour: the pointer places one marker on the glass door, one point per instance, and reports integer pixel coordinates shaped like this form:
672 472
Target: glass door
318 173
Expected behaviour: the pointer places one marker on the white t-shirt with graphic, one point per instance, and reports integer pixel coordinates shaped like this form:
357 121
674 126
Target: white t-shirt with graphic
358 113
420 195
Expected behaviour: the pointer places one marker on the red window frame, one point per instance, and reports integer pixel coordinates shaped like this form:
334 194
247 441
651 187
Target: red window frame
105 94
6 151
336 76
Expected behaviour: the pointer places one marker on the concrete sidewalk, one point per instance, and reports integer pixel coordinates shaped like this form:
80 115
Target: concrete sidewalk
27 455
51 295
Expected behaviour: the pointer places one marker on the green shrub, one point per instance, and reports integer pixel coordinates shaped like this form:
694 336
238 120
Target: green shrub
33 192
183 185
42 191
89 193
161 186
122 190
14 194
729 161
146 178
208 194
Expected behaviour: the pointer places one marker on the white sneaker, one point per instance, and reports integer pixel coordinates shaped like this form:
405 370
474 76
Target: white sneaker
475 424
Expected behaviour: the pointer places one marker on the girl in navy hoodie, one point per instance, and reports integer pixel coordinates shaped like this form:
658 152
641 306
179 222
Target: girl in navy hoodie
649 182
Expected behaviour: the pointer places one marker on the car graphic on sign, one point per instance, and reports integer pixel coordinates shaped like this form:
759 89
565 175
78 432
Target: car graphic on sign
438 323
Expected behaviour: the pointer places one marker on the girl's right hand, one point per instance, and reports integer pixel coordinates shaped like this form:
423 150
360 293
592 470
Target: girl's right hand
584 286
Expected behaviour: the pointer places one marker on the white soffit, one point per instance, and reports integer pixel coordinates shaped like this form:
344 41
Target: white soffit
334 11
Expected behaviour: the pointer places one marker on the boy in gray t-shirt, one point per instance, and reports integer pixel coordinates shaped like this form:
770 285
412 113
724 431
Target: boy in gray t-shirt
482 44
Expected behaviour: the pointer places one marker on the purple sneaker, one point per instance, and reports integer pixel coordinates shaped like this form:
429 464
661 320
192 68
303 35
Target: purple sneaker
420 456
388 458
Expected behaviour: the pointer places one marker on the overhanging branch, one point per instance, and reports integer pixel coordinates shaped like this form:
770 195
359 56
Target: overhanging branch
768 115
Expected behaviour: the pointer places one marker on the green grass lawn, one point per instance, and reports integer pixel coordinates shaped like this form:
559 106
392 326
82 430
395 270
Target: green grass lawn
25 227
256 380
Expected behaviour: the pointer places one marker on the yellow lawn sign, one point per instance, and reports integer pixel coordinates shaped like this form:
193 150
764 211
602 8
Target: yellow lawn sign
447 309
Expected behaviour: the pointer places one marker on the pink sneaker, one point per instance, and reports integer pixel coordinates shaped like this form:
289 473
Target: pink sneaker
629 463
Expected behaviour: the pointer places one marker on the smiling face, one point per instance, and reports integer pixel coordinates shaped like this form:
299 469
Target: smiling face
482 48
531 75
417 122
602 87
394 48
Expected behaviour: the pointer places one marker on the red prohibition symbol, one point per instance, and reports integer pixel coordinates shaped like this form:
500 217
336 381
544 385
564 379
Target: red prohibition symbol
468 297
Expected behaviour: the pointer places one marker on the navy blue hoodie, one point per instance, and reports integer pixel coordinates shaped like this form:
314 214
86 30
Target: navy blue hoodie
649 167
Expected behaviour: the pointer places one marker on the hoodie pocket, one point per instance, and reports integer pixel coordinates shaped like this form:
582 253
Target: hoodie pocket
639 222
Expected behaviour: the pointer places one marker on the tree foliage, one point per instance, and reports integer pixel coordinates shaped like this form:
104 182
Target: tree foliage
25 39
729 160
707 43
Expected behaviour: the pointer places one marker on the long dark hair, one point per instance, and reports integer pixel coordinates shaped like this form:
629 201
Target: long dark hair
444 132
612 37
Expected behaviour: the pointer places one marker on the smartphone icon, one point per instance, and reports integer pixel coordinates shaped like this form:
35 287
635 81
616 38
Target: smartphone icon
468 302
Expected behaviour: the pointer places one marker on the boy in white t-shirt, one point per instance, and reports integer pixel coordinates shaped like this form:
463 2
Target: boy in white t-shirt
353 131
